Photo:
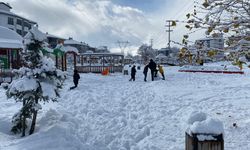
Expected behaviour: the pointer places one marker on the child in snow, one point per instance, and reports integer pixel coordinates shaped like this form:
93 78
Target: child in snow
145 72
76 78
133 72
161 71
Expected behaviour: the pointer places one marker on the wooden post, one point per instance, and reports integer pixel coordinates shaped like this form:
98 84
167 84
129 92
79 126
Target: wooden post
89 63
204 142
65 62
74 60
81 60
62 62
57 62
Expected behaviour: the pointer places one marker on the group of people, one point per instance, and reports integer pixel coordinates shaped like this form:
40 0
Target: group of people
151 65
153 68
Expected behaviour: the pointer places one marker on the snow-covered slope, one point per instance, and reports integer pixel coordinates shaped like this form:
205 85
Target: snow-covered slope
111 113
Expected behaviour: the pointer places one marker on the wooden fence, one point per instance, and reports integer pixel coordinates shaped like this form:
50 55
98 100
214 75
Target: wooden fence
98 69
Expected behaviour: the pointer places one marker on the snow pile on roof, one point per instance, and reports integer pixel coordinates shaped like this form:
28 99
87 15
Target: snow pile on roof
71 41
201 124
10 39
69 49
36 34
196 116
208 126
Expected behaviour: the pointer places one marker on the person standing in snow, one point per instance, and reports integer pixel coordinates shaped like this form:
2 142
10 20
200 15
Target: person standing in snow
133 72
161 71
76 78
145 72
152 67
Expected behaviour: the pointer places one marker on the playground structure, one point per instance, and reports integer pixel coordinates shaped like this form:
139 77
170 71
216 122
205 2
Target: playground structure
99 63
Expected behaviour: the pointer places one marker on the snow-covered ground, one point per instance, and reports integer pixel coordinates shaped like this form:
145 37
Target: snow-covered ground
111 113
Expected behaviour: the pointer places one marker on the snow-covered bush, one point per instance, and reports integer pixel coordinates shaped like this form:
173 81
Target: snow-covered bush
37 81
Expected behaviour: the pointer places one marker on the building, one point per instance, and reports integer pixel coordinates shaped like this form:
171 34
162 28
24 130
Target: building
14 22
53 40
164 51
102 49
81 46
214 42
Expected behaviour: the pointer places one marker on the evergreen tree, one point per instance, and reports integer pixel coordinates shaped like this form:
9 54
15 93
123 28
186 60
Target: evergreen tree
37 81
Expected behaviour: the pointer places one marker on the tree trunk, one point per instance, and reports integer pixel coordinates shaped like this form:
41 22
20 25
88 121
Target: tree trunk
23 125
33 123
23 119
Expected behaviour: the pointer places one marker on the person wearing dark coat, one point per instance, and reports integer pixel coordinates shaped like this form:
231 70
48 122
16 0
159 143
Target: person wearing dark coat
133 72
145 72
152 67
76 78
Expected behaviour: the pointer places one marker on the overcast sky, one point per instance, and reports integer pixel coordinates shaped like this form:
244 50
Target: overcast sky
104 22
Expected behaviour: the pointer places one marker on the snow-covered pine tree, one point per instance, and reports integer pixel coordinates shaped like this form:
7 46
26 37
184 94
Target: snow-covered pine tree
38 80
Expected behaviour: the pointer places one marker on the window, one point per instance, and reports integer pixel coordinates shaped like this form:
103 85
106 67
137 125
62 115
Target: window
19 31
19 22
26 24
10 21
25 33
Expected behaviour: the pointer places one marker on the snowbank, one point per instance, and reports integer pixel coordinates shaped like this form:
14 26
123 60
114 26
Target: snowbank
212 69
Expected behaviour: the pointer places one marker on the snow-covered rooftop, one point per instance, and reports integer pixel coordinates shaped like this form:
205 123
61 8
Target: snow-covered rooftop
38 35
70 49
53 36
10 39
71 41
161 56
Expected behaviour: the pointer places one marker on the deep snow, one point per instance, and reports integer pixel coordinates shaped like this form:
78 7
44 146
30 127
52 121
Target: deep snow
111 113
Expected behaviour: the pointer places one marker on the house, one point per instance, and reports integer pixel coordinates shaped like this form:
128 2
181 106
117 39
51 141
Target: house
164 51
214 42
13 21
53 40
102 49
81 46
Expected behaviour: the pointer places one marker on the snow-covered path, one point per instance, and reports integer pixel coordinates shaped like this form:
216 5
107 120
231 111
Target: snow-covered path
111 113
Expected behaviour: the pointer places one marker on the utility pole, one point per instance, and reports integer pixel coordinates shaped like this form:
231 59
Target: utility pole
123 45
151 42
168 25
